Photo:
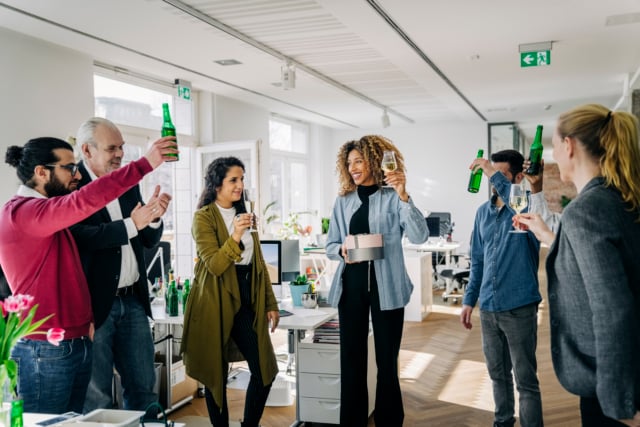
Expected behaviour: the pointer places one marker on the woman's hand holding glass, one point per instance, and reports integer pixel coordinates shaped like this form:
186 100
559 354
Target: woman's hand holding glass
394 177
534 223
518 200
241 223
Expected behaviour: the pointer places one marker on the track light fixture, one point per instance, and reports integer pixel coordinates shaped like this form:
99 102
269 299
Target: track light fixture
288 75
386 122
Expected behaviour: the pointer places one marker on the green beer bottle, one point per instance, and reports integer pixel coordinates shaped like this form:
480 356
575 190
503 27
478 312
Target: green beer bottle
168 129
185 294
535 153
173 299
476 176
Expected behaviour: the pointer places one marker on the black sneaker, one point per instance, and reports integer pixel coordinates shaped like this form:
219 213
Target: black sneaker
509 423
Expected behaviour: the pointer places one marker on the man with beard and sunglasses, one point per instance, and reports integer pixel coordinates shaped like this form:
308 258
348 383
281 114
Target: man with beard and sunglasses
504 280
40 258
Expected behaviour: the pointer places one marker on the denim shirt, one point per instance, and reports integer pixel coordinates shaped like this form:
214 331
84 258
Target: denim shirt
391 217
504 266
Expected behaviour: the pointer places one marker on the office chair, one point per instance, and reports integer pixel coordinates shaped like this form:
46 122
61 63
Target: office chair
446 227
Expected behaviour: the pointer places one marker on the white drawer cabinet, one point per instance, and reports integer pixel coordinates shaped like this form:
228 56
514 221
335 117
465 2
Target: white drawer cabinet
319 381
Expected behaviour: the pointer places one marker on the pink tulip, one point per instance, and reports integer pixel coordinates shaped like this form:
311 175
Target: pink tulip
55 335
26 301
12 304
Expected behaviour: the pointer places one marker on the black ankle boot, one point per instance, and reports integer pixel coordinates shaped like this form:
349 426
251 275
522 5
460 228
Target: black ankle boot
509 423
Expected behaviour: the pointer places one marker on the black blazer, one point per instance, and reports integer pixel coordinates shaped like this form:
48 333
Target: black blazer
99 242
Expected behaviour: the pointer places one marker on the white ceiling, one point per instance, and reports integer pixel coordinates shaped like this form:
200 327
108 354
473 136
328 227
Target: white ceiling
473 43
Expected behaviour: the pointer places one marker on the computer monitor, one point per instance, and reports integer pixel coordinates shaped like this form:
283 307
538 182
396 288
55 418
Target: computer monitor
446 225
433 222
272 253
290 259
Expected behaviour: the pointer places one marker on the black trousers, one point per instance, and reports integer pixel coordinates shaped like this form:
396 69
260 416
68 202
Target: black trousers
592 415
358 299
246 339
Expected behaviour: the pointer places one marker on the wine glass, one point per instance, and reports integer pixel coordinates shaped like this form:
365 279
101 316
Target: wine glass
518 201
249 204
389 163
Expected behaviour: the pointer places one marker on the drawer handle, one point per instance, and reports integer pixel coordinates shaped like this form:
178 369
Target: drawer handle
329 405
328 354
329 380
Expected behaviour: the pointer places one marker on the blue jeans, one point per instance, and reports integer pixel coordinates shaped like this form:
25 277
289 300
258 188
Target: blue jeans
124 341
53 379
509 340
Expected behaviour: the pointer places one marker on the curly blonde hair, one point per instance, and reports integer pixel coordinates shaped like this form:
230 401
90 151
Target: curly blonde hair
612 138
371 147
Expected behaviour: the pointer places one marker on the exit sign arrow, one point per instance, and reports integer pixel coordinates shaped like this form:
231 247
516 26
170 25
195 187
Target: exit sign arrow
535 59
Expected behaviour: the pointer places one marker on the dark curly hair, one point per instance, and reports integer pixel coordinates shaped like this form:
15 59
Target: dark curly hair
37 151
371 147
216 171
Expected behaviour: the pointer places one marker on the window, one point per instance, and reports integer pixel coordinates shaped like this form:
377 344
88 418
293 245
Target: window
132 105
289 184
136 108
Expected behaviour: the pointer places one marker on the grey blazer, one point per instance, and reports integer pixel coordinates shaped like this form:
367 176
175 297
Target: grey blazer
593 269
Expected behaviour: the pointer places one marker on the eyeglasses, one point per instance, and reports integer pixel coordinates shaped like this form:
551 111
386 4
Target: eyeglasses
71 167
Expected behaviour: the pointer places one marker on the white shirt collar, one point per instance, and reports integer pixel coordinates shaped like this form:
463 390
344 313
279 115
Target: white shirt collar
25 191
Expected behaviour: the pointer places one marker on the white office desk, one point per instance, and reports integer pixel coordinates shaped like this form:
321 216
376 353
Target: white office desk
303 319
447 248
160 317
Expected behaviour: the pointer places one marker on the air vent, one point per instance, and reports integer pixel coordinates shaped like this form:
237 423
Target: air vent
225 62
627 18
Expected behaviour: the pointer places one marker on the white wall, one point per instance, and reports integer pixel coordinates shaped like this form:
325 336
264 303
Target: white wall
46 90
437 158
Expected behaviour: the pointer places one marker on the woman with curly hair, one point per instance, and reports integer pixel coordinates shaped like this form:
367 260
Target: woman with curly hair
592 266
381 287
231 304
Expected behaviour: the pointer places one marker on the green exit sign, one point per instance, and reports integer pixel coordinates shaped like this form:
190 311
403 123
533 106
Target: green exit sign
535 59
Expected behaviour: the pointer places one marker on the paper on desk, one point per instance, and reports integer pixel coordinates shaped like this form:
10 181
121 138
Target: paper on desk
307 312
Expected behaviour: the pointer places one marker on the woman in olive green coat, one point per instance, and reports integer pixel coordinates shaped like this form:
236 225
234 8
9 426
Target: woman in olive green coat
231 304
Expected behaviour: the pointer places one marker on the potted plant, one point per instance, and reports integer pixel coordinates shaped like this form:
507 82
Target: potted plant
321 239
297 288
269 216
310 298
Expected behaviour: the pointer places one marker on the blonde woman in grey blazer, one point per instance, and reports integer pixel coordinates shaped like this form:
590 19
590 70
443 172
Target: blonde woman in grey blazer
593 265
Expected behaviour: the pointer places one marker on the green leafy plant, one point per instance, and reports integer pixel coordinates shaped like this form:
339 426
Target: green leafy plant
291 226
301 280
267 215
325 225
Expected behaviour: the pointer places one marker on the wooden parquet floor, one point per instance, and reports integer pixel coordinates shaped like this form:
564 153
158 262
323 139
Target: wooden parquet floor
443 377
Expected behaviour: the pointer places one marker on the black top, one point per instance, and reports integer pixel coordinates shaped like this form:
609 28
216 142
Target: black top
359 223
357 274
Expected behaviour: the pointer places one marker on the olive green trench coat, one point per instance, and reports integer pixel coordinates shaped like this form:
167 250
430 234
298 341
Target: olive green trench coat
207 347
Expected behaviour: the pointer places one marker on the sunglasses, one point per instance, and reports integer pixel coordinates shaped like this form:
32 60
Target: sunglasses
71 167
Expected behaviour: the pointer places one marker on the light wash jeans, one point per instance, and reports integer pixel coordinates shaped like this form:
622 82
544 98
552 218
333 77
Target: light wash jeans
509 340
53 379
124 341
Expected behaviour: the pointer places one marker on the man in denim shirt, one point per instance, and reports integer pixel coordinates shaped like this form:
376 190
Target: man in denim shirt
504 277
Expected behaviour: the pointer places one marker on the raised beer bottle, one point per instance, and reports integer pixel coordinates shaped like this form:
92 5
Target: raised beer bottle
168 129
535 153
476 176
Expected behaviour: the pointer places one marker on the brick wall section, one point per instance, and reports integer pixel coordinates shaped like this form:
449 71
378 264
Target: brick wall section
554 188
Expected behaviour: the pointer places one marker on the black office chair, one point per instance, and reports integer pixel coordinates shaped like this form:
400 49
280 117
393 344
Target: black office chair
446 227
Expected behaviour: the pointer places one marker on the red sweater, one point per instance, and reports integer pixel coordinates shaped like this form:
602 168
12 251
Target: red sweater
39 255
